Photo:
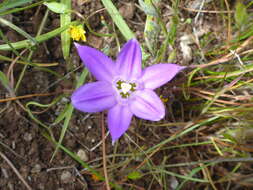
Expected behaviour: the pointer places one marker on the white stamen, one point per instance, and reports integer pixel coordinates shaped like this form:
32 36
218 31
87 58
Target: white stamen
125 87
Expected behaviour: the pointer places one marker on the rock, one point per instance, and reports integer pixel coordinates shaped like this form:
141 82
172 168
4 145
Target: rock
36 169
10 186
28 137
127 10
66 177
4 172
173 183
83 155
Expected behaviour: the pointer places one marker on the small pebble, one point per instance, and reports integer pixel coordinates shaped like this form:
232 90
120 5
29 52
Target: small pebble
66 177
36 169
64 100
28 137
83 155
127 10
4 172
10 186
13 144
174 183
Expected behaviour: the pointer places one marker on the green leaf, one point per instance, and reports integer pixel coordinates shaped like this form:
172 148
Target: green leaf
229 137
65 36
118 20
30 113
56 7
241 15
61 116
8 4
19 30
152 27
4 80
134 175
39 39
18 9
148 8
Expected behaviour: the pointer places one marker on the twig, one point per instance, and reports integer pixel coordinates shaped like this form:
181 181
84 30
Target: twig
29 96
207 175
60 168
104 153
198 14
226 57
238 147
12 151
10 70
229 22
99 143
15 170
210 11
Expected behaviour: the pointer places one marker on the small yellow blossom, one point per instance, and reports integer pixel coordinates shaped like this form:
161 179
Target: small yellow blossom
77 33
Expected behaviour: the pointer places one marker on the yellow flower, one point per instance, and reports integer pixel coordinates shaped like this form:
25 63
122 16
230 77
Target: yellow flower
77 33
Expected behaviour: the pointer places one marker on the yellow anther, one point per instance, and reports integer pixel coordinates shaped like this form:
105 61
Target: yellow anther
164 100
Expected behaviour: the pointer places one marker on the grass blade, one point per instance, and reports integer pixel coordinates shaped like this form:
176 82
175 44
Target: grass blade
65 35
68 113
8 4
14 10
19 30
118 20
39 39
4 80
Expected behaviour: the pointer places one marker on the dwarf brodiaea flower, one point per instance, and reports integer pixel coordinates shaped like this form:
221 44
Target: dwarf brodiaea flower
123 88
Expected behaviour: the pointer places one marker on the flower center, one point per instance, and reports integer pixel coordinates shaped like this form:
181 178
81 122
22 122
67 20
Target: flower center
125 88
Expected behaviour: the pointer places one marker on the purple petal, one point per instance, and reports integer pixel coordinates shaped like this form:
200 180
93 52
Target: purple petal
94 97
129 60
159 74
119 119
146 104
101 66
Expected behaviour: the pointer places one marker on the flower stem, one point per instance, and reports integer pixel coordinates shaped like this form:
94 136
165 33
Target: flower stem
104 153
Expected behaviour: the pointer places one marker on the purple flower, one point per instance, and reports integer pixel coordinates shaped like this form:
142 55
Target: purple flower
123 87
